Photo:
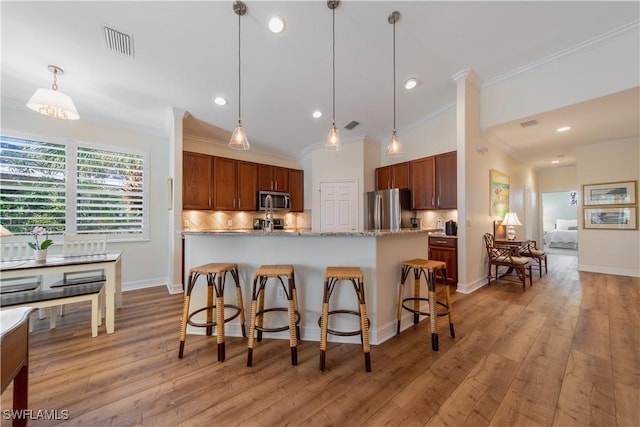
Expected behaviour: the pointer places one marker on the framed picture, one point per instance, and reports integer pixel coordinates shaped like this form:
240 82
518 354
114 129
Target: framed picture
613 193
499 196
619 218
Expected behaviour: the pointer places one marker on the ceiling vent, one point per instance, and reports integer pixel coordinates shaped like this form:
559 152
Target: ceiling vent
351 124
529 123
117 41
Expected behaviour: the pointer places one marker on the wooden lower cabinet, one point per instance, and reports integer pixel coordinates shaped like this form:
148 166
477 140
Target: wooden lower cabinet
445 248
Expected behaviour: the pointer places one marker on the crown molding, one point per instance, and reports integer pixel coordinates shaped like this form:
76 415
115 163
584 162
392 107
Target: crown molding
595 41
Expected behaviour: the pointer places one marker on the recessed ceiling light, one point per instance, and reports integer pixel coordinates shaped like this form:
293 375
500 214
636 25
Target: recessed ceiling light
276 25
317 114
410 83
555 161
563 129
220 100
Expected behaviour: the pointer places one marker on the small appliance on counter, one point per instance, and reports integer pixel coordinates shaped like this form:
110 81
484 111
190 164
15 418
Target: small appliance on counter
258 224
415 222
451 228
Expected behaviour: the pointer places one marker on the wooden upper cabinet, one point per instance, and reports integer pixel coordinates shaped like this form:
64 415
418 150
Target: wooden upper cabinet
393 176
400 175
423 183
247 188
296 189
196 181
273 178
447 181
224 183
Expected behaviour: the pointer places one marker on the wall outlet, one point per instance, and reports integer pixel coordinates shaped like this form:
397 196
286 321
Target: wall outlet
230 223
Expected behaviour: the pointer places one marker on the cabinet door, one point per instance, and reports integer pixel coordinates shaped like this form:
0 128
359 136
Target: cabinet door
296 189
383 178
447 181
265 178
400 176
224 183
247 190
449 257
196 181
280 178
423 183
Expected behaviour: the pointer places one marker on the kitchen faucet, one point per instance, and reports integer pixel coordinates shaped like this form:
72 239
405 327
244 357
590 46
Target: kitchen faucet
268 216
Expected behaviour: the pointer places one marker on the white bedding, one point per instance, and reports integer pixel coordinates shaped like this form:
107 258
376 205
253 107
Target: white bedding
561 239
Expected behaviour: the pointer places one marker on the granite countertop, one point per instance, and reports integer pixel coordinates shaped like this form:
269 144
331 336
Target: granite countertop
365 233
441 234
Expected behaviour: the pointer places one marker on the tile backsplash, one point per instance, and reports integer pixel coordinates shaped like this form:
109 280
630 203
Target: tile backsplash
429 219
232 220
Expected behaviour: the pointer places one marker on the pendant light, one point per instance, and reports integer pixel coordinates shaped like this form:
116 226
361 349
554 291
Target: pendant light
394 148
239 138
52 103
333 140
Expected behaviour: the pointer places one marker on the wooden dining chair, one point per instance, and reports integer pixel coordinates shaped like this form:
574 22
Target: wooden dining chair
506 256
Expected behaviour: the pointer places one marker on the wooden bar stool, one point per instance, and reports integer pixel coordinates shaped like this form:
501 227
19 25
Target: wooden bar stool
426 268
332 276
256 318
212 271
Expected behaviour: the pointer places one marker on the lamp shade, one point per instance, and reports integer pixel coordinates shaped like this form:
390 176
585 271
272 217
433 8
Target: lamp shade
53 103
239 138
511 219
4 232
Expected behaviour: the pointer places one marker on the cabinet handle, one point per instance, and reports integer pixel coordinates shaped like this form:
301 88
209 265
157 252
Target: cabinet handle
234 203
239 204
276 185
209 201
438 200
441 241
433 201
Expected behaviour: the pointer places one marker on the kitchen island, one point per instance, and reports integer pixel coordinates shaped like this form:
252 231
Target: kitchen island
378 253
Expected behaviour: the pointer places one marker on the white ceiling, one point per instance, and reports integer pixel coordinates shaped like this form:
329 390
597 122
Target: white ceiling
186 54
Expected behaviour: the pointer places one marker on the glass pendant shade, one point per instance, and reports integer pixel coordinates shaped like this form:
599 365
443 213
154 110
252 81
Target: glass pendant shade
239 138
394 148
333 140
52 103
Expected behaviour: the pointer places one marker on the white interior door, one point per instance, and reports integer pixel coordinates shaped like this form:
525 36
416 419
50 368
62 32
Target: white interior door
339 205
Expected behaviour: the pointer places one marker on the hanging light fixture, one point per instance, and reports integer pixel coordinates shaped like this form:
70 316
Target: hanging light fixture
239 138
52 103
394 148
333 140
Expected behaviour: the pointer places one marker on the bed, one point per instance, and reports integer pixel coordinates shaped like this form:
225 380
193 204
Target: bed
565 235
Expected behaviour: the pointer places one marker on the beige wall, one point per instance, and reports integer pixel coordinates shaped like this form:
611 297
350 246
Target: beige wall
609 251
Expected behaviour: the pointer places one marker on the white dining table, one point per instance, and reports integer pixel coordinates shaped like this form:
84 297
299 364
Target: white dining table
111 262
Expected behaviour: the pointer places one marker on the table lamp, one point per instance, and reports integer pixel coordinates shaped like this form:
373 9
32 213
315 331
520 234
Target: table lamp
511 219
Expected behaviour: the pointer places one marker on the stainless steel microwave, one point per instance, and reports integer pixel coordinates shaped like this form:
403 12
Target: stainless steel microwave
279 201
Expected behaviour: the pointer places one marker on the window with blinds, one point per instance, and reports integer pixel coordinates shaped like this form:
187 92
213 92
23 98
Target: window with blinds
72 188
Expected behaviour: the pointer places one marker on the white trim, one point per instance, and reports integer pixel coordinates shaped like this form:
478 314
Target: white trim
467 288
144 284
609 270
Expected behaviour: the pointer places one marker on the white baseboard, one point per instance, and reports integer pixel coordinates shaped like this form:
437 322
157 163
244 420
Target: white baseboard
467 288
609 270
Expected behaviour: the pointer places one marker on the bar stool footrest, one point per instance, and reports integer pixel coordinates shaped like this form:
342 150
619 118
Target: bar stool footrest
444 312
347 333
212 323
274 329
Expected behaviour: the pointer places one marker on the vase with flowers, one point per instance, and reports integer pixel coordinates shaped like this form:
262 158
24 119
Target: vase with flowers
40 248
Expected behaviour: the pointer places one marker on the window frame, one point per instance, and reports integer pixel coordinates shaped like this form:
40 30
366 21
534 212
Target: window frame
71 177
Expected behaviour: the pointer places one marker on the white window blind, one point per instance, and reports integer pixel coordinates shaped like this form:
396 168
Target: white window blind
32 185
109 192
73 188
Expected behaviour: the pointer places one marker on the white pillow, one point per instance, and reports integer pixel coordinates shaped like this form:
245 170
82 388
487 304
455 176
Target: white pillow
564 224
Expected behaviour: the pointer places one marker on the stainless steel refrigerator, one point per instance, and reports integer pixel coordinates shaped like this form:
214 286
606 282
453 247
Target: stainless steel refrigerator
387 209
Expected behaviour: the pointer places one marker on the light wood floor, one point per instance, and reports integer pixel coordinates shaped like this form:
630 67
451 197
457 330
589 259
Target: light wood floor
564 353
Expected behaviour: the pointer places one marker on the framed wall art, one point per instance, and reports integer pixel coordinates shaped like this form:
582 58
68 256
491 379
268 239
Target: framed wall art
613 193
615 218
499 197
